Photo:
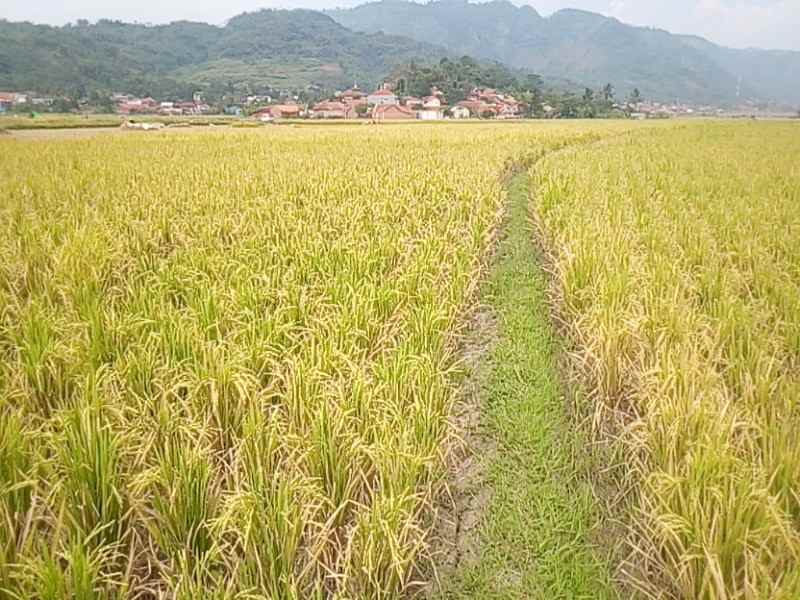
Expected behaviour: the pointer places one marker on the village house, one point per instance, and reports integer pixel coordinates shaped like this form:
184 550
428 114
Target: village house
130 105
432 108
137 106
329 109
258 99
356 108
459 112
478 108
286 111
169 109
193 108
507 110
350 95
355 102
9 99
382 97
388 112
488 95
489 103
412 102
278 111
264 116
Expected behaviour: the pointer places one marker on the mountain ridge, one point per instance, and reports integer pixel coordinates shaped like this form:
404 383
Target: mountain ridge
307 49
590 48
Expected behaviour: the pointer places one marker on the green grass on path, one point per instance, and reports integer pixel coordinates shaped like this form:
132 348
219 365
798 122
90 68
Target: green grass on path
534 541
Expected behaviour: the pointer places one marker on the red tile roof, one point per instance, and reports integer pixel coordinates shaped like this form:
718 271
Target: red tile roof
329 105
478 106
284 109
393 111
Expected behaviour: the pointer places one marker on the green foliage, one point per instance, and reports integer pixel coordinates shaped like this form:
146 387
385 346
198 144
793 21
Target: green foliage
74 572
269 49
92 486
456 78
536 541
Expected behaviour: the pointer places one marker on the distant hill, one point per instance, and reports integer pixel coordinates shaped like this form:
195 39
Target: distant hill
283 49
293 49
587 48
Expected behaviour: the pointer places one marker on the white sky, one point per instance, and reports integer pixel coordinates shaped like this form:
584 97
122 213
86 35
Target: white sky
737 23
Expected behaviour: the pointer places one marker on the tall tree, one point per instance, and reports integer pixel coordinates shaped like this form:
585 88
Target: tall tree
457 78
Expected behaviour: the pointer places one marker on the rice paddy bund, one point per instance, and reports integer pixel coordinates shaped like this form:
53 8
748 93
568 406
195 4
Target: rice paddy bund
227 359
676 255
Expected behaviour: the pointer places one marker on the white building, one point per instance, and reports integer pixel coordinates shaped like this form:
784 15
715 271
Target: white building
430 114
382 97
431 110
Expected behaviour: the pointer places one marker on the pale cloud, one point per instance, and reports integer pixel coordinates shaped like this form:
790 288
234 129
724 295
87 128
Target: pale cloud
738 23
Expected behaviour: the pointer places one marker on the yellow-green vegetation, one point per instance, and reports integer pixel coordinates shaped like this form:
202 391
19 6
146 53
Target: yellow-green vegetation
226 359
677 258
75 121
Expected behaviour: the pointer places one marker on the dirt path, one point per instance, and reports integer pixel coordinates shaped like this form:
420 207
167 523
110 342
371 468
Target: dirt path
522 512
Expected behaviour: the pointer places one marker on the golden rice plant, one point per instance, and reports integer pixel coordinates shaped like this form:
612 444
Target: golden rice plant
226 358
676 254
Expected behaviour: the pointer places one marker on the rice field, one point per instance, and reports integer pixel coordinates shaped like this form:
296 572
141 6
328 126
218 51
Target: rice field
676 260
69 121
227 359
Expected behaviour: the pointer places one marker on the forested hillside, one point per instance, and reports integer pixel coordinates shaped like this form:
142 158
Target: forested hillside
269 48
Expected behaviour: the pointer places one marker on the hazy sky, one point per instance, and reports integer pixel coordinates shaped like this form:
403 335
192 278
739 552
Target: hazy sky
739 23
